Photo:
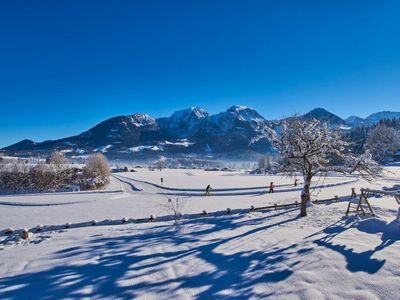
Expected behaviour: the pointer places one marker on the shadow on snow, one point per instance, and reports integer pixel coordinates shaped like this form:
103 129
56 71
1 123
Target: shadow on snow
123 266
360 261
126 258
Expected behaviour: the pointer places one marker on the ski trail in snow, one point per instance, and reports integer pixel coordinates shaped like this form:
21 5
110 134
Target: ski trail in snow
241 191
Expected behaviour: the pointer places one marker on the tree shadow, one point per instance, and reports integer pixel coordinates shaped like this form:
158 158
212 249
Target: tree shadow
360 261
123 266
393 188
389 231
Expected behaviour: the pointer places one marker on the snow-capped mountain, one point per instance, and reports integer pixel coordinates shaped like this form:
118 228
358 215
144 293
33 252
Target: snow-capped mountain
372 119
235 118
191 131
183 123
122 130
233 129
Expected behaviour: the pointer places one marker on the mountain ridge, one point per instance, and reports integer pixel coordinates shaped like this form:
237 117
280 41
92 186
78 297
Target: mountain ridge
372 119
188 131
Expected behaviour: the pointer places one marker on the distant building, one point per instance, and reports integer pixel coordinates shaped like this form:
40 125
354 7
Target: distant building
118 170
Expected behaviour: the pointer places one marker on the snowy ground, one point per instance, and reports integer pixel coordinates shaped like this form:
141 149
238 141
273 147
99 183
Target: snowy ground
247 255
119 200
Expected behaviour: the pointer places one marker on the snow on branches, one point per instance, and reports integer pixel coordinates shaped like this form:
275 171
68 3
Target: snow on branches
311 147
383 142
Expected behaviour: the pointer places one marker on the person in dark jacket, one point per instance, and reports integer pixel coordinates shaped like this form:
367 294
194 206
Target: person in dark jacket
208 189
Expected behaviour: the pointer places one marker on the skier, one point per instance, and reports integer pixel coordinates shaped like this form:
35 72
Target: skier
295 182
208 188
162 181
271 187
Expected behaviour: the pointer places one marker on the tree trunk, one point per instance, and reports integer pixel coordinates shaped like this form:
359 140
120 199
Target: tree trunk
305 197
303 206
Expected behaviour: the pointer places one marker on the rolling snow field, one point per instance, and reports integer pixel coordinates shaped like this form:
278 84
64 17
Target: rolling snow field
246 254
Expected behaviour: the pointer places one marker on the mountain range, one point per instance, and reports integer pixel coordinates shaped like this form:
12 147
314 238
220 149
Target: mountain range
191 131
355 121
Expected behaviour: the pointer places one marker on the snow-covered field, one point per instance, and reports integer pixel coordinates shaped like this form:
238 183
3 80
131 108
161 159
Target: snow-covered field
245 255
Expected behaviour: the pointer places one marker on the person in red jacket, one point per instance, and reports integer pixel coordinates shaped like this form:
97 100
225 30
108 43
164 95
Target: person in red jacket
271 187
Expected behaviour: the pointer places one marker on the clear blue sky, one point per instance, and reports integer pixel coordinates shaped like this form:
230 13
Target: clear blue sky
66 65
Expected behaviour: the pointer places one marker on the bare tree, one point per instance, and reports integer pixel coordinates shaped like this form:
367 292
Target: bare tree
58 160
176 207
160 163
97 166
14 177
17 176
262 164
266 164
60 164
44 177
97 171
311 147
383 141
